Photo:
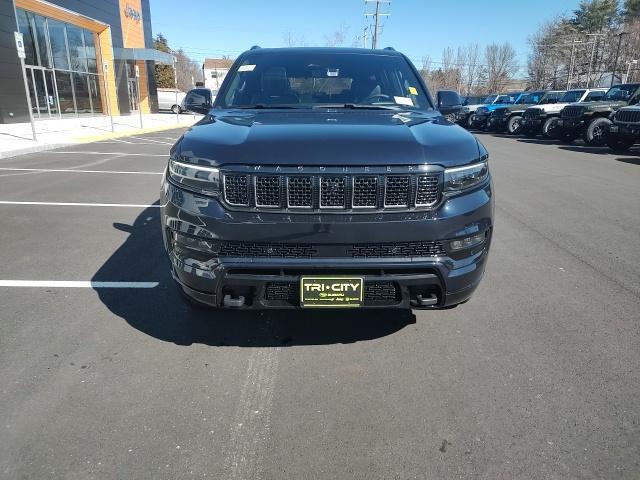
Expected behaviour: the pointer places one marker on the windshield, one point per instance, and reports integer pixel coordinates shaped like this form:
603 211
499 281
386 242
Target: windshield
297 79
572 96
621 92
490 99
472 100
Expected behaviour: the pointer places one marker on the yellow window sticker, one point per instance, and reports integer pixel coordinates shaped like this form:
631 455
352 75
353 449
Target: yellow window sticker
413 90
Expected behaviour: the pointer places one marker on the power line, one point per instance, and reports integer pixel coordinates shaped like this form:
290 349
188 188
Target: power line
376 14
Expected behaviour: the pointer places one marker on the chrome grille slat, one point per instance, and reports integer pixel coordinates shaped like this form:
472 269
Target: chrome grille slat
332 192
428 190
300 192
628 116
365 192
572 111
236 189
396 191
267 191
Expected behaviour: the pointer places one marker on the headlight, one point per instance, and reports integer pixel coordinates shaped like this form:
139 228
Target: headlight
195 177
461 178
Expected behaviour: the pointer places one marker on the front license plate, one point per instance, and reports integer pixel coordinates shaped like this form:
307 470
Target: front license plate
331 291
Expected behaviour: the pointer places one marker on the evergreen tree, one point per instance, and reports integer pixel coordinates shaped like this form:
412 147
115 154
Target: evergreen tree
164 73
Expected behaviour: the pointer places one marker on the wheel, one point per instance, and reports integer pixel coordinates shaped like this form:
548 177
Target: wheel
513 125
597 131
176 109
619 145
550 127
469 122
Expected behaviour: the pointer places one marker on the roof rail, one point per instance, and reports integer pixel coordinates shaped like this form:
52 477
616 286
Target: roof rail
255 47
390 48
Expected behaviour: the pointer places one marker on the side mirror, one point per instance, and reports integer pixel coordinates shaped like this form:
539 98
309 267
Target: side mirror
198 101
449 102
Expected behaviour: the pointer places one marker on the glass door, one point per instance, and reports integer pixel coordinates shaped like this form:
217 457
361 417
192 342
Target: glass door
133 94
52 97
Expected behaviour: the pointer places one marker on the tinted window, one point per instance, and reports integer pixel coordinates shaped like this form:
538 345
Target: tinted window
317 78
76 49
572 96
197 96
489 99
621 92
58 44
594 96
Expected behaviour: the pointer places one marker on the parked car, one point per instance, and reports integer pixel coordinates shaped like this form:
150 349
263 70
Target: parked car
509 118
481 116
469 106
625 131
313 172
542 119
170 99
591 119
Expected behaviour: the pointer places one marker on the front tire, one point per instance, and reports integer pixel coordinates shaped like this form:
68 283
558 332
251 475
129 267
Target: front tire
176 109
514 125
550 127
596 132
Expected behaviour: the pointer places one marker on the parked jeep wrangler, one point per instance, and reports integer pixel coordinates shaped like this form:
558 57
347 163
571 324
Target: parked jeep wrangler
481 116
591 119
470 105
625 131
509 118
542 119
327 177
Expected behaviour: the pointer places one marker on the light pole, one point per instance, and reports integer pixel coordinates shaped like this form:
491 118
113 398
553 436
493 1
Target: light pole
615 63
631 62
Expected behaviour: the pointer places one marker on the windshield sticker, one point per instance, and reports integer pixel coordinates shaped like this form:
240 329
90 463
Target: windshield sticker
403 101
413 90
333 72
246 68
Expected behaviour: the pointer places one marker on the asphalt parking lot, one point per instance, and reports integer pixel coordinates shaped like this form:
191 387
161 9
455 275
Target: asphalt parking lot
111 376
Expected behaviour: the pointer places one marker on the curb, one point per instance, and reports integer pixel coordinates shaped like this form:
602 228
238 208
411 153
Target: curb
32 149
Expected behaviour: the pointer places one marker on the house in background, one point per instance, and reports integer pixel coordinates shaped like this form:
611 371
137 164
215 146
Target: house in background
214 71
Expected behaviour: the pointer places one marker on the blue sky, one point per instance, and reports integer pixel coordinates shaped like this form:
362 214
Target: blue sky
212 28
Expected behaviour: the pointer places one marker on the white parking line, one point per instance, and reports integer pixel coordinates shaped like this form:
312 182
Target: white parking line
124 154
75 284
70 204
45 170
148 139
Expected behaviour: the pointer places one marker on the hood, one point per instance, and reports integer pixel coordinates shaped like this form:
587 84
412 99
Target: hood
605 105
327 137
553 107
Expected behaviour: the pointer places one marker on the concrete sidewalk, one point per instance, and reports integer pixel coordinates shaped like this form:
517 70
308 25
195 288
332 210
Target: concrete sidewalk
16 138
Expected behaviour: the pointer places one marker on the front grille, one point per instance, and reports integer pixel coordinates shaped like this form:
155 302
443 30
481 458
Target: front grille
375 293
332 192
405 249
428 190
339 192
628 116
241 249
236 189
572 112
396 192
500 112
532 113
300 192
267 191
266 250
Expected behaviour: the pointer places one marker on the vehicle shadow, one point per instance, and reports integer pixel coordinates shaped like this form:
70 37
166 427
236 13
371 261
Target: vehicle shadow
161 313
631 160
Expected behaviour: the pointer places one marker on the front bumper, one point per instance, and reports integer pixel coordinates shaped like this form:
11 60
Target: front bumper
628 131
497 124
573 125
451 278
532 124
479 120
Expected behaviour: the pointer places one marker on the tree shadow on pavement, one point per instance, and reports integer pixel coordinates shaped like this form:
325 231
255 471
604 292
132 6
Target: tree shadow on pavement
161 313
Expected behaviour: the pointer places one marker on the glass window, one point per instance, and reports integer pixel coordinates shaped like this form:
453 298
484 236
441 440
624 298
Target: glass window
32 94
65 93
76 49
58 45
90 49
41 39
24 26
594 96
325 78
81 88
94 88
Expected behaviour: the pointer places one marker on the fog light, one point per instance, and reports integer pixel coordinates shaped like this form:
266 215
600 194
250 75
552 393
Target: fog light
467 242
195 252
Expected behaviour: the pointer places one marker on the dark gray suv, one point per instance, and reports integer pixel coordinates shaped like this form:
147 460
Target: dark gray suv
325 177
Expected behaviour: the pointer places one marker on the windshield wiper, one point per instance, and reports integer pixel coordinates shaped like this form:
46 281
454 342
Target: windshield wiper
358 106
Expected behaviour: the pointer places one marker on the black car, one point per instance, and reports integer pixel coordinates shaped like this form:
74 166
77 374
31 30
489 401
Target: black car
625 131
509 118
591 119
326 177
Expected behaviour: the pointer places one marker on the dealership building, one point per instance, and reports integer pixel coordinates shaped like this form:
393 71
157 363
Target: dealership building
82 58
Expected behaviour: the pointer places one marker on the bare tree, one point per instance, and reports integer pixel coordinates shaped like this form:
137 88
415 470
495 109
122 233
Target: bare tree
472 68
187 71
337 38
501 65
291 39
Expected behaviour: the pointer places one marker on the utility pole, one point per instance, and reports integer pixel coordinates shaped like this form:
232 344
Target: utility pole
570 74
376 20
631 62
615 63
593 51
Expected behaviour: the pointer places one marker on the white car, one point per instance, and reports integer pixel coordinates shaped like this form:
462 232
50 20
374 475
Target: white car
541 119
170 99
